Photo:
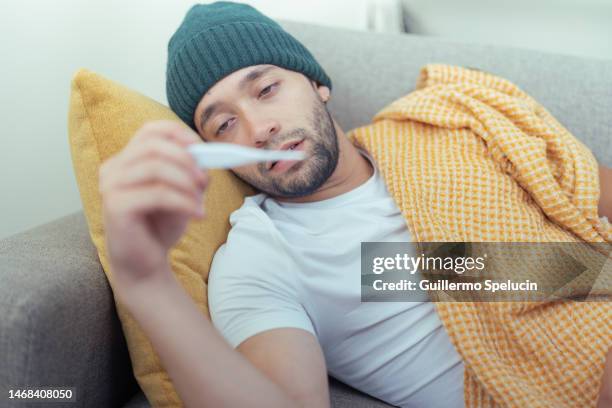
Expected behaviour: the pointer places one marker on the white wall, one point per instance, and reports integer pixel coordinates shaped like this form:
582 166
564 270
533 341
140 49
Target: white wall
43 43
574 27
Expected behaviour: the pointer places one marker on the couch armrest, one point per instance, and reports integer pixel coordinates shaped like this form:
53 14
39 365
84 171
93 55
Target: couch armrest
58 325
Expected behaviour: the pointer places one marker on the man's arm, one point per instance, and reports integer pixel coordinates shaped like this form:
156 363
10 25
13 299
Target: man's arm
276 368
150 191
605 209
605 187
293 359
605 391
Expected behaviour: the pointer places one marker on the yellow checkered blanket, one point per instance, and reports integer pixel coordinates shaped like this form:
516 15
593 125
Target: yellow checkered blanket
468 156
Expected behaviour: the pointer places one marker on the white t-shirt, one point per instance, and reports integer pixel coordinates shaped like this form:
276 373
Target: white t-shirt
298 265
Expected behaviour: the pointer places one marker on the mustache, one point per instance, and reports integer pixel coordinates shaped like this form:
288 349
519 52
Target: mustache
299 133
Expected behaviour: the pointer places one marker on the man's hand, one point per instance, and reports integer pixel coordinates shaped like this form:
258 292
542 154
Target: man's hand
605 392
150 190
605 187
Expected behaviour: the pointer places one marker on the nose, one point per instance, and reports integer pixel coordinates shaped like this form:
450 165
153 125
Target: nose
263 130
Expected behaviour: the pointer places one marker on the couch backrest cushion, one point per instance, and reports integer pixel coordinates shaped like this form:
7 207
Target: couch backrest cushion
369 70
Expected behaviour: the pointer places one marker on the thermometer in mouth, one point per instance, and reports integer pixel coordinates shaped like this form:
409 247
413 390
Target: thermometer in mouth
227 155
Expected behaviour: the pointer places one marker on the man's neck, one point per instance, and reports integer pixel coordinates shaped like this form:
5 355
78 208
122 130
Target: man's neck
352 170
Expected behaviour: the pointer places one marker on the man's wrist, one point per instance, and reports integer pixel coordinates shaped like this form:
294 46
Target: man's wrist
133 288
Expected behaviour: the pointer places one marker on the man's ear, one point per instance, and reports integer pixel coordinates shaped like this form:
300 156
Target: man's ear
322 90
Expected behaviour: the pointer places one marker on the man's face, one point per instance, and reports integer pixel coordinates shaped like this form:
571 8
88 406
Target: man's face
268 107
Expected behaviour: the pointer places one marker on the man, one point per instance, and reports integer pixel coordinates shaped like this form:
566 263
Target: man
284 291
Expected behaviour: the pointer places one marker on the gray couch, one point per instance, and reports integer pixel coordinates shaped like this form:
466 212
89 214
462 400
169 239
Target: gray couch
58 325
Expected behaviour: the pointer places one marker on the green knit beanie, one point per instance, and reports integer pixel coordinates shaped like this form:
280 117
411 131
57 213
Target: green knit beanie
217 39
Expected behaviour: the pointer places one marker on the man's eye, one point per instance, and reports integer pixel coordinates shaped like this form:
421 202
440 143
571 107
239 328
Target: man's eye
266 90
222 128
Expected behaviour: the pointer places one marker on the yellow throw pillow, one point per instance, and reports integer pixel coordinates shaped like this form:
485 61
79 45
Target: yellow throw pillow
103 116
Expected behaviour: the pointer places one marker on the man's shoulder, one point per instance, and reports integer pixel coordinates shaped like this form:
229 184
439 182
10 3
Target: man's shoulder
252 241
249 222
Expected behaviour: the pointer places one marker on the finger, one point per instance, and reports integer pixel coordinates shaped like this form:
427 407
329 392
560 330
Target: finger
162 149
160 172
150 199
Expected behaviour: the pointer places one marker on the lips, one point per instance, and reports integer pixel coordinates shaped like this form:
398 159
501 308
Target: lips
286 146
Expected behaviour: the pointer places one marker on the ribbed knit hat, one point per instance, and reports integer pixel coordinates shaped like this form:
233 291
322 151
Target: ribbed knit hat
217 39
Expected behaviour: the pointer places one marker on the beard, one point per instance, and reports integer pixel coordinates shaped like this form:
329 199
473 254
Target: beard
304 177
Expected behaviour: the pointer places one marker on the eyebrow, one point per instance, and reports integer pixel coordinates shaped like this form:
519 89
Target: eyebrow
246 80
